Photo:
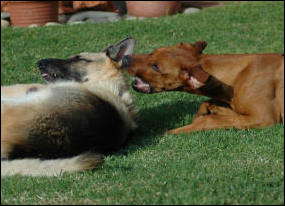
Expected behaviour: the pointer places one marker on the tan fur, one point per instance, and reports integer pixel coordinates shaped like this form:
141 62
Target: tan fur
246 90
25 115
36 167
18 90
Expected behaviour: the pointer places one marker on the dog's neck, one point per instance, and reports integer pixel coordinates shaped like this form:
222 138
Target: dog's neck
203 83
216 89
213 88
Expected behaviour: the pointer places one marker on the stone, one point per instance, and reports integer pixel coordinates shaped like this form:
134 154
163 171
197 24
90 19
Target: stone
63 18
191 10
52 24
5 23
94 16
76 22
128 17
33 25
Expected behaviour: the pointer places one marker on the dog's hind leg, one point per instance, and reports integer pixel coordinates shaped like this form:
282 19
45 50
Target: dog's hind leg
223 117
19 90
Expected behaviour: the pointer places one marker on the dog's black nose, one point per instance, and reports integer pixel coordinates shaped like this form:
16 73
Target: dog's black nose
126 61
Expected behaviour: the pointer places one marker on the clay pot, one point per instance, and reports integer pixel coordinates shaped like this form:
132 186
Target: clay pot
153 8
24 13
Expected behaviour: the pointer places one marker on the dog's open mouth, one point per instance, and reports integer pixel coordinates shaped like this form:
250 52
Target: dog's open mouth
141 86
48 77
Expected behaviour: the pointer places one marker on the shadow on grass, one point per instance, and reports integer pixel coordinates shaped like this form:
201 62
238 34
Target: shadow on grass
155 121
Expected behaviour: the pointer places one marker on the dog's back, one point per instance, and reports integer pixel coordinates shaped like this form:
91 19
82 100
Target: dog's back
69 121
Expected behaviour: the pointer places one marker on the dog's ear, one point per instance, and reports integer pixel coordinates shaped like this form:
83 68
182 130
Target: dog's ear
200 46
119 50
181 44
195 77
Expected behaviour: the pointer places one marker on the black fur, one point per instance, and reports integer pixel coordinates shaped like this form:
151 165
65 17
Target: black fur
73 128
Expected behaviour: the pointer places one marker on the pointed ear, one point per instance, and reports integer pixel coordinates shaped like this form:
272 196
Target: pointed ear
187 44
195 77
200 46
119 50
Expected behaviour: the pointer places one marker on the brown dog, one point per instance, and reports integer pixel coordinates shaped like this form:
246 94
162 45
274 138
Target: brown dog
246 90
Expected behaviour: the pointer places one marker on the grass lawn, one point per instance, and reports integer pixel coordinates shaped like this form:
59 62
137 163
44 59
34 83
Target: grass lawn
209 167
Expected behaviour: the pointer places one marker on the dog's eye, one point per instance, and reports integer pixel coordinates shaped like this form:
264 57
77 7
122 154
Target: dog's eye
155 67
78 58
75 58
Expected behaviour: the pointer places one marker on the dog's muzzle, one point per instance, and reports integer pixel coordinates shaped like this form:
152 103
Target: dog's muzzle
141 86
49 68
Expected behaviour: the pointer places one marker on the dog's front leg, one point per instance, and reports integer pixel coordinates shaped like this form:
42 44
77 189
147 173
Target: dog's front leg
214 107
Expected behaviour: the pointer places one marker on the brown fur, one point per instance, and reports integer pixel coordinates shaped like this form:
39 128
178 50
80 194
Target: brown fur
246 90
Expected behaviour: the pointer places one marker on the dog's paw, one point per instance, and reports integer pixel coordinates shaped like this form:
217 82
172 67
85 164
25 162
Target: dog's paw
172 131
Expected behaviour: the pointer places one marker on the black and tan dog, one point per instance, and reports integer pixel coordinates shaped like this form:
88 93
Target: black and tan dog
85 111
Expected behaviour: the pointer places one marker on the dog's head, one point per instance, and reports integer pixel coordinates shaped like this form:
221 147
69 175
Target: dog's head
168 68
85 66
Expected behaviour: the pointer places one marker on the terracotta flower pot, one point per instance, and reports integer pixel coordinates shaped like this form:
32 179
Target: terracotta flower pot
153 8
24 13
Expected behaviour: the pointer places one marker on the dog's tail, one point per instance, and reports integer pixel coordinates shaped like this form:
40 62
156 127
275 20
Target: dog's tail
55 167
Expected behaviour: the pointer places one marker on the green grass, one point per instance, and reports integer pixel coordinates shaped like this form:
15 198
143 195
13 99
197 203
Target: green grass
209 167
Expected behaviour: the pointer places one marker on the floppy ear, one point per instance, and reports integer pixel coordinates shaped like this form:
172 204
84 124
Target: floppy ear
119 50
200 46
195 77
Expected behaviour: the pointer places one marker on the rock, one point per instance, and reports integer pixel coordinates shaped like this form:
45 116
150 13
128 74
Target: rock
52 24
5 15
33 25
128 17
5 23
191 10
63 18
114 18
94 16
76 22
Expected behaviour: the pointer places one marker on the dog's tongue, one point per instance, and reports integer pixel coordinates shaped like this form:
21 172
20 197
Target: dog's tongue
142 86
44 75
